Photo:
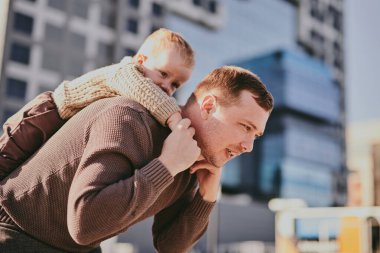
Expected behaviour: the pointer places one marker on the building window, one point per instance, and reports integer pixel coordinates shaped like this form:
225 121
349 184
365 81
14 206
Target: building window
80 8
23 23
315 11
212 6
134 3
16 88
197 2
20 53
132 26
338 56
108 17
157 9
338 63
75 66
337 47
54 34
105 53
318 42
316 36
336 18
77 42
130 52
51 59
58 4
154 28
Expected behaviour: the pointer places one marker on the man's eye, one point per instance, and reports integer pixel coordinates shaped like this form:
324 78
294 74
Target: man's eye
246 127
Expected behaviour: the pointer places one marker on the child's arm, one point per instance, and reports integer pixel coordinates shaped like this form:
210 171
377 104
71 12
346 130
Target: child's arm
126 79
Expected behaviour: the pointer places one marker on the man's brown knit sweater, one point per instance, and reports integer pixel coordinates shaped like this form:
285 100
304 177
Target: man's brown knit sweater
97 176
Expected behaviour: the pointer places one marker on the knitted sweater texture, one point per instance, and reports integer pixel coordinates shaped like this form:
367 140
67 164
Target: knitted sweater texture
97 176
123 79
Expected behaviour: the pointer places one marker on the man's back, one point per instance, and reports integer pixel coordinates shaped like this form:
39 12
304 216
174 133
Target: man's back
37 194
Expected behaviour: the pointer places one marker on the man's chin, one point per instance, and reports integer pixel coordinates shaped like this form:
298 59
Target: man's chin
214 161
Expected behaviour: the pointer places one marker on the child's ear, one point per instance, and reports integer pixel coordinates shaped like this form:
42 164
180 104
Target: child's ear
141 58
208 106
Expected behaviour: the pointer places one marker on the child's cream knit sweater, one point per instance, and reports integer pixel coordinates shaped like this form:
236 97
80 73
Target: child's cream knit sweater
122 79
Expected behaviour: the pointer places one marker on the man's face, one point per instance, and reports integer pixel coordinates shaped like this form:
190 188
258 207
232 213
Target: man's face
231 130
167 69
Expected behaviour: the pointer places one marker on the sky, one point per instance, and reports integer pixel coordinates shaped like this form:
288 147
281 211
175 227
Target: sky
362 31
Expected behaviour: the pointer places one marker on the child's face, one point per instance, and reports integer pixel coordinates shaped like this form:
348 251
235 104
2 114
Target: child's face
167 70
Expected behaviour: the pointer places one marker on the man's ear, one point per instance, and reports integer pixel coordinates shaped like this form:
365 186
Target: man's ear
208 106
141 58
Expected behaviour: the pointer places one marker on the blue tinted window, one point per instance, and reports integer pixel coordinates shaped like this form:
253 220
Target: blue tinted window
231 173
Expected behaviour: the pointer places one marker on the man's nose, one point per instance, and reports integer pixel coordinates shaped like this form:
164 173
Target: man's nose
246 146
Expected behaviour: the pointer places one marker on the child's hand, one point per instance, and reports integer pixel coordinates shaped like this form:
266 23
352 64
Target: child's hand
173 120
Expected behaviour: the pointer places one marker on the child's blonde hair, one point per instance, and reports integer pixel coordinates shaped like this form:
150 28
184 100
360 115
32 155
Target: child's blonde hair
164 38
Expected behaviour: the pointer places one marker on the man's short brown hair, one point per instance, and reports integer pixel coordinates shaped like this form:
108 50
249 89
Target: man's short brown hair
164 38
230 81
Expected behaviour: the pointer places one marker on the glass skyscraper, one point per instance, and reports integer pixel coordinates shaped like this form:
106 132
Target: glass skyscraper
300 153
303 152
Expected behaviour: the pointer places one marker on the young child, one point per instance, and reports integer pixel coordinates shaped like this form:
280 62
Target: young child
162 64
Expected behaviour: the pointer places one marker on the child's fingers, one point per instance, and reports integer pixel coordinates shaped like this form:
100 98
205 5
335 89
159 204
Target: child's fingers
174 120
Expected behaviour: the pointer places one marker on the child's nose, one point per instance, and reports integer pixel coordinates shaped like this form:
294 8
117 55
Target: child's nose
168 87
165 86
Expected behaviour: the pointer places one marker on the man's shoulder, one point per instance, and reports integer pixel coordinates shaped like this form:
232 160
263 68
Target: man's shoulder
119 112
124 102
118 103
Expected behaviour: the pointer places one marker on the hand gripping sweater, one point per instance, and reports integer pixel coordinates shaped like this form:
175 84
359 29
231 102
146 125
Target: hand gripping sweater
97 176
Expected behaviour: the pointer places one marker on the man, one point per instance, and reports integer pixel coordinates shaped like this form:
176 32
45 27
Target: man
112 165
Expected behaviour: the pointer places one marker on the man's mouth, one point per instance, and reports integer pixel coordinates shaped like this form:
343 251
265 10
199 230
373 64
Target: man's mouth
230 153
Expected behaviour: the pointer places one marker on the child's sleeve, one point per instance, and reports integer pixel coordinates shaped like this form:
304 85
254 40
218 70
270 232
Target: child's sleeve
72 96
130 81
123 79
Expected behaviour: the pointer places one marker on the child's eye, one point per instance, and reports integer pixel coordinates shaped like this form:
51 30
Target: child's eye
163 74
175 85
